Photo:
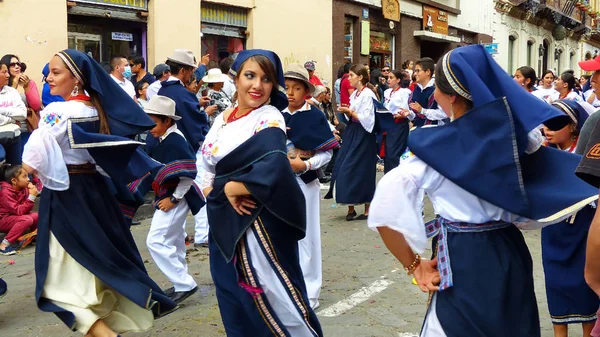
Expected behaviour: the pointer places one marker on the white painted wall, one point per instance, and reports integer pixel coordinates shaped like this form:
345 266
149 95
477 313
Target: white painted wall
475 16
505 26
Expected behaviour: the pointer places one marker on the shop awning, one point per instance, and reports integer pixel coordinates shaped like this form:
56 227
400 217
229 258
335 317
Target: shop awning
435 37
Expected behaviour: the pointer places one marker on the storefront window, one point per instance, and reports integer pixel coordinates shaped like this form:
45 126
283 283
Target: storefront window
101 38
381 50
220 47
348 38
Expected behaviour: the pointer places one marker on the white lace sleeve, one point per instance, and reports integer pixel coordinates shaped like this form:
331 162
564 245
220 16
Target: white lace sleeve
208 180
43 153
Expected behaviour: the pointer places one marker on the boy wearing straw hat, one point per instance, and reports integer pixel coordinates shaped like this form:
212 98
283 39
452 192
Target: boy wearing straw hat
309 133
176 194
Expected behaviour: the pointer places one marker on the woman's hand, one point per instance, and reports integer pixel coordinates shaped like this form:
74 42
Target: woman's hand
427 276
344 110
211 110
239 197
24 81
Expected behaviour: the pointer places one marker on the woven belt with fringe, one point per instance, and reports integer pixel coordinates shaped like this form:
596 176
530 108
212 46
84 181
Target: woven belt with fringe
440 226
82 169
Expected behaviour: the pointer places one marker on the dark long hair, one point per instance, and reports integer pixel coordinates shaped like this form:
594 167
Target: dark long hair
528 73
8 172
569 79
361 70
6 60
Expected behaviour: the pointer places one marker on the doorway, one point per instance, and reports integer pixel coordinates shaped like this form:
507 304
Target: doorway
434 50
90 44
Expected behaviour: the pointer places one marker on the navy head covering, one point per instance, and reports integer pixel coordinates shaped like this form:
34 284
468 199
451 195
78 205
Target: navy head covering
577 113
278 98
494 150
125 117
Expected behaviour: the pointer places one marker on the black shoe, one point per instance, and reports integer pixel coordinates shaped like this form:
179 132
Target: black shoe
169 292
362 217
136 222
350 216
180 296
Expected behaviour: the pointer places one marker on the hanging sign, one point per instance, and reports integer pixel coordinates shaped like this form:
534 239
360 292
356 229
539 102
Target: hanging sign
435 20
391 9
365 37
119 36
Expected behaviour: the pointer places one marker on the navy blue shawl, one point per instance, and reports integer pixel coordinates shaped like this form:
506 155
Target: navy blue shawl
261 164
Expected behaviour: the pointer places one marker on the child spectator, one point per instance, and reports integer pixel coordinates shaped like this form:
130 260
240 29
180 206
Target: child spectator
17 195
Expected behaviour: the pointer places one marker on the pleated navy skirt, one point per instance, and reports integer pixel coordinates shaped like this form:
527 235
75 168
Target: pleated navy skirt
570 299
88 223
353 177
493 293
396 142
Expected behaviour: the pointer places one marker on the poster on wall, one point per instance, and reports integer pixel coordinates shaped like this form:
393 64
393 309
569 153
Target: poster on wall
348 38
435 20
365 37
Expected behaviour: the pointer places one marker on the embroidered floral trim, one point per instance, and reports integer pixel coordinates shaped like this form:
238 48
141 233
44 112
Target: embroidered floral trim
210 150
266 124
52 118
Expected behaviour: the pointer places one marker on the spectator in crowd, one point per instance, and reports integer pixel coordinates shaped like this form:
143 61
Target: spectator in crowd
546 91
337 85
47 97
310 67
228 85
525 76
120 71
12 112
141 88
593 93
17 196
162 72
202 68
408 66
138 68
29 92
218 98
193 85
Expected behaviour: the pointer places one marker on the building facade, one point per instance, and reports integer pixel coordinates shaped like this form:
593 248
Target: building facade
388 32
297 31
545 35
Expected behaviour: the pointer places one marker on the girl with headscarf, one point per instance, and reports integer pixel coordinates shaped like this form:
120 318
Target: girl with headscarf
487 175
88 269
570 299
256 209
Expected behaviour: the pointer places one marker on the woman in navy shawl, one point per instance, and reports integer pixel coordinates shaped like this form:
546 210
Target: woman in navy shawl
256 209
88 269
570 299
488 176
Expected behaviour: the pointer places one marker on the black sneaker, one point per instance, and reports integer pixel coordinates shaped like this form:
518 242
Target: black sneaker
350 216
8 251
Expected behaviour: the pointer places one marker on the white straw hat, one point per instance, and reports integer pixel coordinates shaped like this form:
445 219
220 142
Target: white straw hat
161 106
214 76
182 56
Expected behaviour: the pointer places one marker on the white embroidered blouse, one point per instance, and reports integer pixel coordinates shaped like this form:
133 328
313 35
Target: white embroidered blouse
399 196
396 100
224 137
361 102
48 150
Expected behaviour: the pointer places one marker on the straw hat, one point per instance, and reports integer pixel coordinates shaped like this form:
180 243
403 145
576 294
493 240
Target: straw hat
298 72
182 56
215 76
161 106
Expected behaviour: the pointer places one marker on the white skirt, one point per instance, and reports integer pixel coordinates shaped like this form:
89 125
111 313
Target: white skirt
72 287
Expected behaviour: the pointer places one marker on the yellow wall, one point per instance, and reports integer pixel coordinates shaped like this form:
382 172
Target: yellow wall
296 38
172 25
34 30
